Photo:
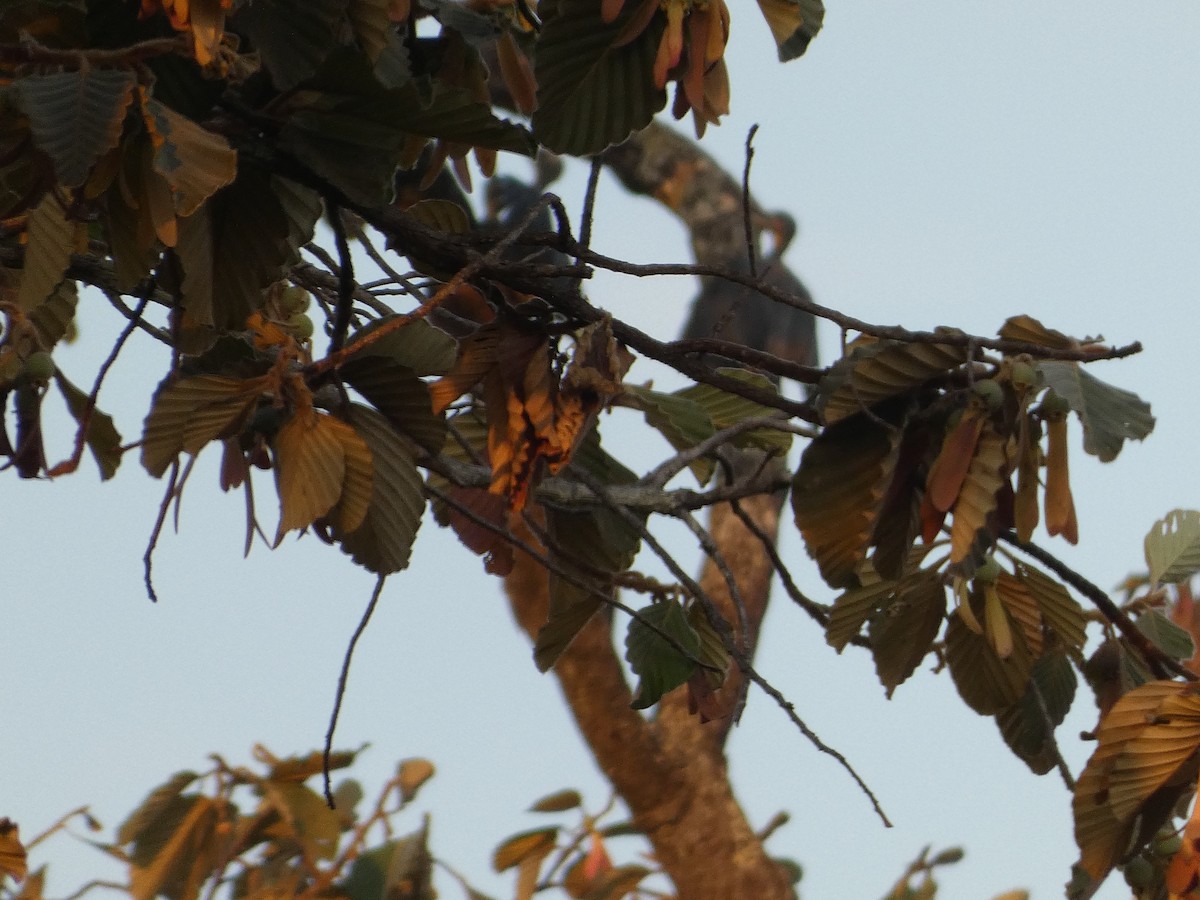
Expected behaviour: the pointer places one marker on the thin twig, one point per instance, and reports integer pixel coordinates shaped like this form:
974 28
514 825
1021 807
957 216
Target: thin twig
345 295
343 675
156 532
589 204
751 244
723 631
554 568
1061 764
668 469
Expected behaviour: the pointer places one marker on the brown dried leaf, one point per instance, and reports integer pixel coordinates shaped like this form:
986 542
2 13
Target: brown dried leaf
1060 505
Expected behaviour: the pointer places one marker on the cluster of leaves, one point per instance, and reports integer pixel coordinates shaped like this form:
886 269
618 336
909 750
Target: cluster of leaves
259 833
573 857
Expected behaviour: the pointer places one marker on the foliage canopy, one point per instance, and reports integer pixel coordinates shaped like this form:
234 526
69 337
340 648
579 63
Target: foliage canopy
177 157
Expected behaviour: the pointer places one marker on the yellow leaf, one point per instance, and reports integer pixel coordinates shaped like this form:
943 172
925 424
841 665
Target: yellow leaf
185 859
352 506
527 845
996 625
1023 608
310 467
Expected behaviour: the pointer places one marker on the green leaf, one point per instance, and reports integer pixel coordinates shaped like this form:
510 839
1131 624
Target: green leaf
102 437
1060 611
241 242
188 413
178 852
589 544
590 93
383 542
48 253
401 869
793 23
1166 635
75 116
1028 726
312 822
559 801
153 807
903 630
681 420
419 346
854 606
291 54
986 683
727 409
54 316
1109 414
658 665
400 396
1173 547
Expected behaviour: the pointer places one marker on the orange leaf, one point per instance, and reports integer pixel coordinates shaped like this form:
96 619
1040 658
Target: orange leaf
1060 506
477 355
949 470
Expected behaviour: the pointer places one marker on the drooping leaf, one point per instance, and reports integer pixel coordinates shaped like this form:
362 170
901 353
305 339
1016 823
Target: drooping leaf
793 23
1028 725
310 467
854 606
383 542
52 239
101 436
987 683
188 413
659 666
839 488
559 801
977 500
682 421
1144 758
591 93
1173 547
876 371
1165 634
401 868
903 630
55 315
1109 414
240 242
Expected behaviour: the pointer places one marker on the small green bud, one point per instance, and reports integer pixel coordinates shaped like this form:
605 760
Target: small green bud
39 366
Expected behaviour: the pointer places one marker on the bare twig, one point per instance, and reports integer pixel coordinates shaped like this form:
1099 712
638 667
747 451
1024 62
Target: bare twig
148 556
346 285
343 675
747 224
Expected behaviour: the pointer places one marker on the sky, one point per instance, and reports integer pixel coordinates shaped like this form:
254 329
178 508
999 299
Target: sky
949 164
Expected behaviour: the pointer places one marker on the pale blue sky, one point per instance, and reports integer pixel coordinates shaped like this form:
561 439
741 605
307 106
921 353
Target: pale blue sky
949 163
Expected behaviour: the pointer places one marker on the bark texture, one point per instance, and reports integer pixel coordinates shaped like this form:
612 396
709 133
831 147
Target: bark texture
671 770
